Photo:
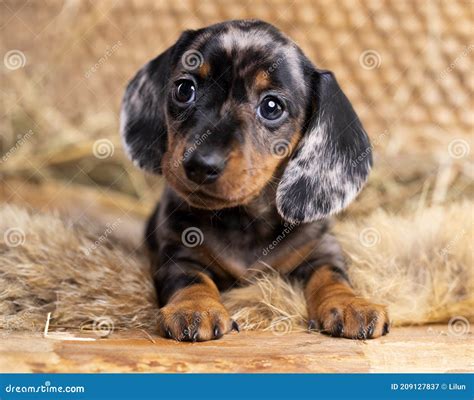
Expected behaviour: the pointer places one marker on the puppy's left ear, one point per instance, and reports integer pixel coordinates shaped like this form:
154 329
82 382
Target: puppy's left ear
332 160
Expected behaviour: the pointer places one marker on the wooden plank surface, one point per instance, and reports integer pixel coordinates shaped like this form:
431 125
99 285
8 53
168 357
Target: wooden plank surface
411 349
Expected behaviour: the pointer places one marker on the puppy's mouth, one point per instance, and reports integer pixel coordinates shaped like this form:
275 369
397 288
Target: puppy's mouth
217 195
203 199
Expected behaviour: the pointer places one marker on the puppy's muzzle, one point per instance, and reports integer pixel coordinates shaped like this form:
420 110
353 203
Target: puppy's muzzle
204 168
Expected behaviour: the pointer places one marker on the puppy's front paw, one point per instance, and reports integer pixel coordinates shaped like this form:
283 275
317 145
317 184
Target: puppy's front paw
187 320
351 317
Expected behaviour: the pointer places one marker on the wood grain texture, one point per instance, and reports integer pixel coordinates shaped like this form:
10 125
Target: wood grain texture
413 349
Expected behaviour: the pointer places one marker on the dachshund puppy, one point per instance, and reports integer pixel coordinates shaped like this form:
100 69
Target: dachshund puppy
258 148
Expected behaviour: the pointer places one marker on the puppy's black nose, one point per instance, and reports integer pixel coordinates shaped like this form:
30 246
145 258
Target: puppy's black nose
204 168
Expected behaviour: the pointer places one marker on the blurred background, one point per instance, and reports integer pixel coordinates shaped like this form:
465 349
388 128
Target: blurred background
406 65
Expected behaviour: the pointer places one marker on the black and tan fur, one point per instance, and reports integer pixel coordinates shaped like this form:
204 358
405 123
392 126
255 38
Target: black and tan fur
259 197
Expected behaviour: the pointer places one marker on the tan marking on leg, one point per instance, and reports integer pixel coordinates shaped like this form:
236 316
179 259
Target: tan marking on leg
338 311
195 313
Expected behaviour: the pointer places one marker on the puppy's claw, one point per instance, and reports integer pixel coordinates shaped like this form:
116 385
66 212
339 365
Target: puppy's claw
312 326
209 320
216 331
235 326
338 330
370 331
186 334
352 317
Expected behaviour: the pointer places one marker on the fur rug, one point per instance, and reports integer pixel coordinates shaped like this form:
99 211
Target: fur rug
419 264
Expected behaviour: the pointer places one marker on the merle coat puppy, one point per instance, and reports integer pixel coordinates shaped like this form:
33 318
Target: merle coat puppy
258 148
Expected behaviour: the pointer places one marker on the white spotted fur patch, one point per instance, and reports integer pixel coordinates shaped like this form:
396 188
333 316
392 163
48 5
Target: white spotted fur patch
325 173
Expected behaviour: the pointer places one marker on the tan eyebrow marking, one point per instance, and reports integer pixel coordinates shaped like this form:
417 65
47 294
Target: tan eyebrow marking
204 70
262 80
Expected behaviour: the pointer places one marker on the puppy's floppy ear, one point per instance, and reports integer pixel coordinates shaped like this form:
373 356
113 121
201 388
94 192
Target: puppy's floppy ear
142 118
332 160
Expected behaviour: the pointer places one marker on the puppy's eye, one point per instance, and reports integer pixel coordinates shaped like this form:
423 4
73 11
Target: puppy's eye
185 91
270 108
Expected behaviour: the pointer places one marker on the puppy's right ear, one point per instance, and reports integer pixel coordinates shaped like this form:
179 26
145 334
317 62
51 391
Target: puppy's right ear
142 118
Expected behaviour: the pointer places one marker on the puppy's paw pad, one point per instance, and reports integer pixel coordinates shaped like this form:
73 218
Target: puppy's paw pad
353 318
194 321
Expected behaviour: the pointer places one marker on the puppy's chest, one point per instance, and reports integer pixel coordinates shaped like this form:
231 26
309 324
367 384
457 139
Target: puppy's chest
241 238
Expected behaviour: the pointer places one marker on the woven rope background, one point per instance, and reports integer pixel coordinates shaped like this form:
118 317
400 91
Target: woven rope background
405 64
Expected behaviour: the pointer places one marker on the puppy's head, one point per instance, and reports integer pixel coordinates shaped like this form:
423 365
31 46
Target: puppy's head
234 107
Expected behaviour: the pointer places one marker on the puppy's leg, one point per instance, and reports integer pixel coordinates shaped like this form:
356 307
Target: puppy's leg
334 308
191 306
